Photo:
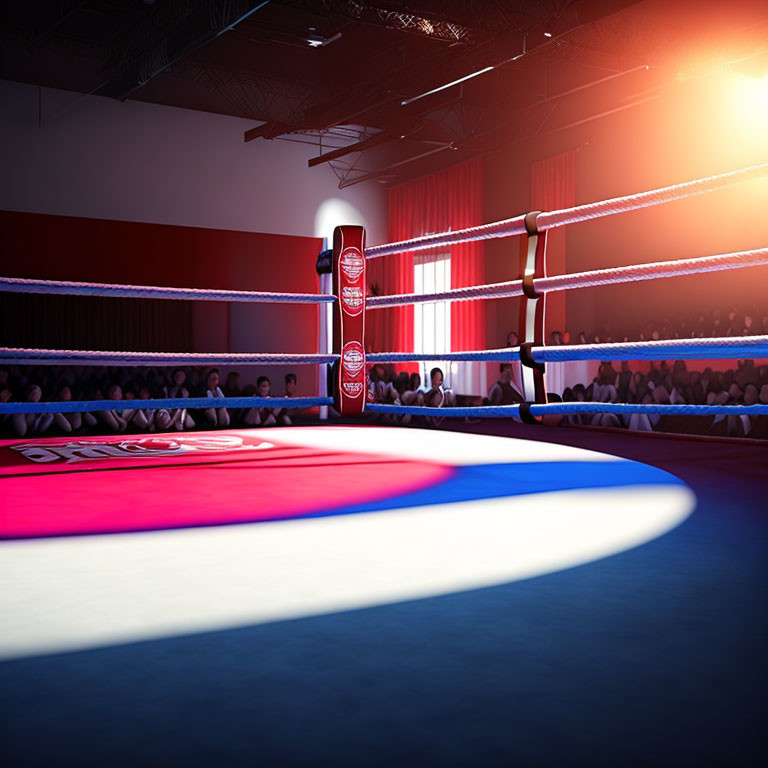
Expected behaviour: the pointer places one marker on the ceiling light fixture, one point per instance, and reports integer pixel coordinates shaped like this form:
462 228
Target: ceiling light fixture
318 41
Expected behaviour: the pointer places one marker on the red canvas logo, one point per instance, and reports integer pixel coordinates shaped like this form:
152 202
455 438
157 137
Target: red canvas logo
352 388
353 359
352 264
143 447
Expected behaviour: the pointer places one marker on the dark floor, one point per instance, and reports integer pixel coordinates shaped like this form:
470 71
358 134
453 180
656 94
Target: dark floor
653 657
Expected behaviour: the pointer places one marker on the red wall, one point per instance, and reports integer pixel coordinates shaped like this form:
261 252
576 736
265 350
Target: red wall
70 248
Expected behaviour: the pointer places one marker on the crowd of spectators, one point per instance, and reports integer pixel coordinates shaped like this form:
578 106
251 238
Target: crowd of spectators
714 323
390 388
674 382
64 383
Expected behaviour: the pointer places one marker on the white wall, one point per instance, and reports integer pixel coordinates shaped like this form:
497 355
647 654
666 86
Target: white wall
131 161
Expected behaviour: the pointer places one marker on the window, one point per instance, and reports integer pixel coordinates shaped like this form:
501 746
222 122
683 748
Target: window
432 322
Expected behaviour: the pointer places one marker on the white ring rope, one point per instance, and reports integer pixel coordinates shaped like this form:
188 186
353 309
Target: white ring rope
612 276
70 288
552 219
23 356
723 347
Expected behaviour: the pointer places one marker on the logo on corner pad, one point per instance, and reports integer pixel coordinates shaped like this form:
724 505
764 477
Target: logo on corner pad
352 264
353 359
352 299
352 388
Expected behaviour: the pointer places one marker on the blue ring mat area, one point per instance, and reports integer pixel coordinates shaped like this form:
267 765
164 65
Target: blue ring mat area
652 657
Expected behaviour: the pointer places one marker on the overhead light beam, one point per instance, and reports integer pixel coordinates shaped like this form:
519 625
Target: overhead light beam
465 78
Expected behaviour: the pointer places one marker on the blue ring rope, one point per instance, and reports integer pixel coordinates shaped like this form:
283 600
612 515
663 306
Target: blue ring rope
21 356
489 355
686 349
194 403
722 348
682 349
513 411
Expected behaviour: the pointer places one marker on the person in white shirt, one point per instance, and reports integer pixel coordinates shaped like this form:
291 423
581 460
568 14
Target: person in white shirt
408 392
265 415
5 397
158 419
503 392
290 391
31 423
119 420
216 417
67 422
438 396
180 417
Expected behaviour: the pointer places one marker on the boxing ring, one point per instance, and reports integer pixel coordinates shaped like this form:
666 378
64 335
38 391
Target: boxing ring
481 577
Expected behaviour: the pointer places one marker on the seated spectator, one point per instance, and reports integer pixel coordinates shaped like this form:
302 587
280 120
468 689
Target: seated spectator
180 417
502 392
158 419
694 392
644 421
606 394
747 422
5 397
413 393
279 415
125 417
746 373
291 383
624 381
604 387
5 377
265 415
382 390
31 423
719 424
232 385
232 388
67 422
195 382
407 389
569 397
215 417
438 396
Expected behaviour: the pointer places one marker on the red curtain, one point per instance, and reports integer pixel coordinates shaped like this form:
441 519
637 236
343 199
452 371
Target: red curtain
445 200
553 185
106 251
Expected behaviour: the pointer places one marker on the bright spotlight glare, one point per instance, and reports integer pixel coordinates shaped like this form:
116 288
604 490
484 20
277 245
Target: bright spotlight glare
751 100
